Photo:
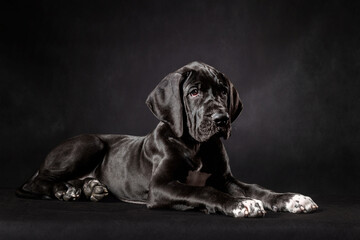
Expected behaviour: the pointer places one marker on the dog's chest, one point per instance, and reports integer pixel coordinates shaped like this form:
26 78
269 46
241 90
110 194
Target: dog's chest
197 178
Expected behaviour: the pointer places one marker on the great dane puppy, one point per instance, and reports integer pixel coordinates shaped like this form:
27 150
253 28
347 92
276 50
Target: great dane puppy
181 165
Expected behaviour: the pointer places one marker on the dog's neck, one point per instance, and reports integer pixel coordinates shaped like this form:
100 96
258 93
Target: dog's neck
187 144
190 142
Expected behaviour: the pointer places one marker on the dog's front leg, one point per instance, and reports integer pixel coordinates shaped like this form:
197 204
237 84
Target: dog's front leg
180 196
287 202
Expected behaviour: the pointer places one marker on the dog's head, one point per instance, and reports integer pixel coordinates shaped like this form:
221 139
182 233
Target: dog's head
198 99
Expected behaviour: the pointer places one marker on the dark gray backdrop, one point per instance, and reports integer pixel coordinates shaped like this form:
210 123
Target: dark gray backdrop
75 67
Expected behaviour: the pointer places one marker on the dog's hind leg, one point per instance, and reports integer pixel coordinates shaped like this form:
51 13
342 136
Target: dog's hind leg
66 191
59 175
94 190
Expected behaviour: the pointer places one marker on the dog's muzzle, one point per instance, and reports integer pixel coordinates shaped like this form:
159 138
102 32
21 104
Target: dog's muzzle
221 124
221 119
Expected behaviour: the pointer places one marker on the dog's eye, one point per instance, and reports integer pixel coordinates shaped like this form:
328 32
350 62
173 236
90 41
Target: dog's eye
224 91
194 93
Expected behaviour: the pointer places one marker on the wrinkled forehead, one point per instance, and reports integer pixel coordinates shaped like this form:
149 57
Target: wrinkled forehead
203 74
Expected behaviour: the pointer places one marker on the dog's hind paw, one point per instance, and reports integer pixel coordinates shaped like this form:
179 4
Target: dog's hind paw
249 208
71 194
94 190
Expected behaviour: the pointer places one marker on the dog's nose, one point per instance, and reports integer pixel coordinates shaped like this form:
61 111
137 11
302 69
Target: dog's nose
220 119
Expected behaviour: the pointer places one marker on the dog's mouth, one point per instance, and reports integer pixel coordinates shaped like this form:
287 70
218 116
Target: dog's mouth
208 129
224 131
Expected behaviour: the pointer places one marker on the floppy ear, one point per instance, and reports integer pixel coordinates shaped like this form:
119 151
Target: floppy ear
235 105
166 104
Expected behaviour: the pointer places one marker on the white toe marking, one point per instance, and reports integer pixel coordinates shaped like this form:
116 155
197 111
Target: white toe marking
300 203
250 207
237 211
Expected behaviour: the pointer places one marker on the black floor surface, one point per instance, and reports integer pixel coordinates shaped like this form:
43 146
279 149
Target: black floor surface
337 218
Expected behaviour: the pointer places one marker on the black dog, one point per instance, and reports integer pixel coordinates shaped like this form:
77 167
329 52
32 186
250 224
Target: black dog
182 164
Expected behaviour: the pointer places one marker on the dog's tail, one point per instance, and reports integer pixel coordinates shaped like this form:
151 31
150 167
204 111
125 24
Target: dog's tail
25 192
21 192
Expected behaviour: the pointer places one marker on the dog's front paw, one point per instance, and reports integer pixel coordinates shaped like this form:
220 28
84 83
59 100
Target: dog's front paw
295 203
249 208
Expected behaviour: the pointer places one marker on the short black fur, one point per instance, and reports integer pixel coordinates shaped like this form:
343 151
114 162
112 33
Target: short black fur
182 164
